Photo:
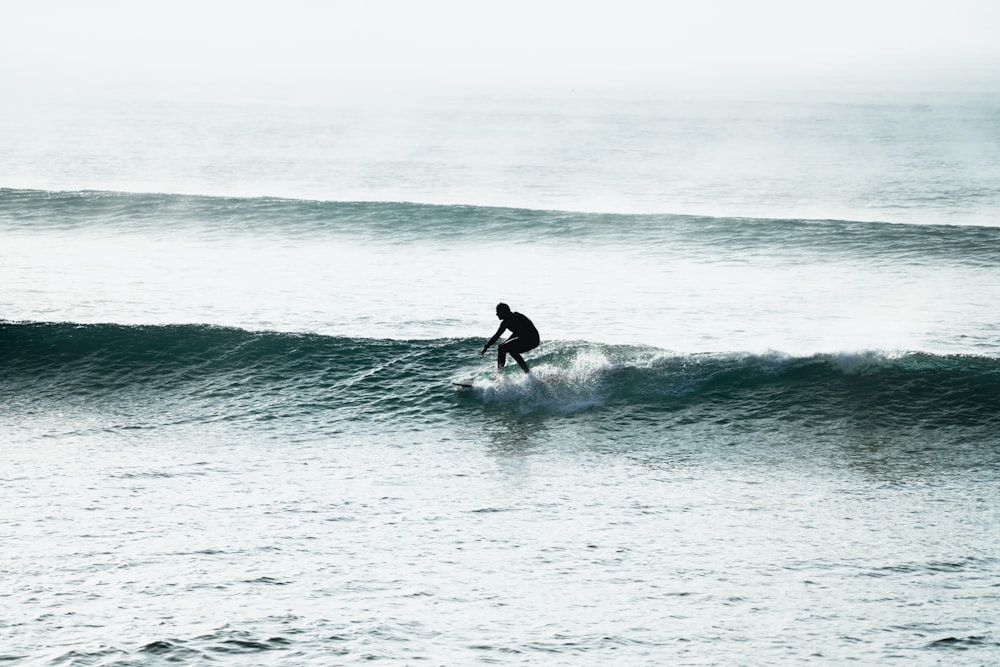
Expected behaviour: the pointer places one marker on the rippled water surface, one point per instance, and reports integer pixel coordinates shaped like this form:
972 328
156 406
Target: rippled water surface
538 539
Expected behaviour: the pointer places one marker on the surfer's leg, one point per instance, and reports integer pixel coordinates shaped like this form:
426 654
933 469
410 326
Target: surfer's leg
520 362
509 345
515 346
501 357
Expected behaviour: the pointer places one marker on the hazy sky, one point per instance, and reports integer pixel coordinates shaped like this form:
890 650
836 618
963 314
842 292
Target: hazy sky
297 46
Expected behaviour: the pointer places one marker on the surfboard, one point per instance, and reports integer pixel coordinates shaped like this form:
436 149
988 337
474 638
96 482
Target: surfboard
494 380
467 382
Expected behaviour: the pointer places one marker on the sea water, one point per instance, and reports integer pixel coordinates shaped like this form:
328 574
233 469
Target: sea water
762 426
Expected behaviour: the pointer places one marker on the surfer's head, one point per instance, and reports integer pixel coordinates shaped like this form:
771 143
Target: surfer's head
503 310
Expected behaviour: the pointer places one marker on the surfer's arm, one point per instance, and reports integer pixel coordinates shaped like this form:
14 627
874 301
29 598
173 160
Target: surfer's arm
494 339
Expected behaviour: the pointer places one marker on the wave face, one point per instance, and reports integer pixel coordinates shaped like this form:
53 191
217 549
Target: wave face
230 373
238 374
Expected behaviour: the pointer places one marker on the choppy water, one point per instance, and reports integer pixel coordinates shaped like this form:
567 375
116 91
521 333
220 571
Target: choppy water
229 433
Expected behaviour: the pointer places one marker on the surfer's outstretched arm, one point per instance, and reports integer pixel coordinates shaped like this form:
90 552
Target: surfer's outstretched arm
496 336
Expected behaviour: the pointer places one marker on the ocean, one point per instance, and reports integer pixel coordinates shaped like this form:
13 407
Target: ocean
762 428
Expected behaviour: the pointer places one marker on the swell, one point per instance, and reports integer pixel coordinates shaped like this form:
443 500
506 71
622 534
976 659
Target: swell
235 373
222 218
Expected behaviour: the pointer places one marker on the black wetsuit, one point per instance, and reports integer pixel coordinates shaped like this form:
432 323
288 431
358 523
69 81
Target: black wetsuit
523 337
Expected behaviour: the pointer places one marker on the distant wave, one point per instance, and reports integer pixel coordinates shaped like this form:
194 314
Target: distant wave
222 218
269 374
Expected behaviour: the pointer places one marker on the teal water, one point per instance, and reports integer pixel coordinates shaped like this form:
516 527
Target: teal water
750 435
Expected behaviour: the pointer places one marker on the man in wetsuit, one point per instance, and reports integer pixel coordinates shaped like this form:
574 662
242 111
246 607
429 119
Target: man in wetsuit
523 337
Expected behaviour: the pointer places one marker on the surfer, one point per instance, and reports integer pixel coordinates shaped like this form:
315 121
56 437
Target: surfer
523 337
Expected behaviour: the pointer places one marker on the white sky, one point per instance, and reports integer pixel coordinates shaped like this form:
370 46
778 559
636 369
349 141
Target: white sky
460 46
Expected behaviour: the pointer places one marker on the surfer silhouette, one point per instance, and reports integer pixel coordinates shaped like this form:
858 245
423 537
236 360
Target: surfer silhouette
523 337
